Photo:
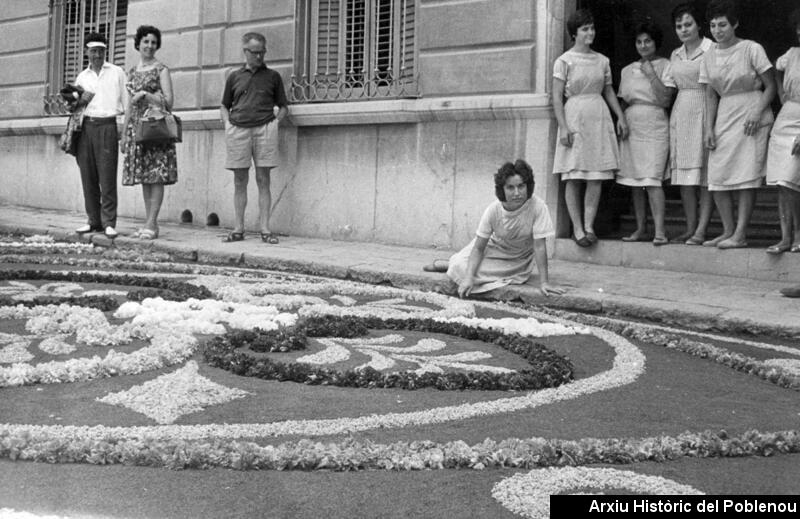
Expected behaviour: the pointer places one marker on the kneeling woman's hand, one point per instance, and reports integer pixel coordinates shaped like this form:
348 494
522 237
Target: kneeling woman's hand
548 289
465 287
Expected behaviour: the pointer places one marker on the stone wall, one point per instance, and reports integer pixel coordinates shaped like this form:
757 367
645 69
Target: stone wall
23 57
403 171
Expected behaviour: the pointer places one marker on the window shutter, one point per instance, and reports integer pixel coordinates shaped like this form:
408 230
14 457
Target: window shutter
120 27
70 22
357 49
326 33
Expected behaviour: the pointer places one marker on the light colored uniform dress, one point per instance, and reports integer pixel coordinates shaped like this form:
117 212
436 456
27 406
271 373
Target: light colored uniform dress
738 160
594 154
783 168
508 256
643 155
687 150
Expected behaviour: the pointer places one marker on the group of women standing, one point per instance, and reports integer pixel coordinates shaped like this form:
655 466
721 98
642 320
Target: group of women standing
715 143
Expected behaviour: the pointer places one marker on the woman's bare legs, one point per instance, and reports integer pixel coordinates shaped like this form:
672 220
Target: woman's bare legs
724 202
656 196
572 195
591 201
640 212
747 200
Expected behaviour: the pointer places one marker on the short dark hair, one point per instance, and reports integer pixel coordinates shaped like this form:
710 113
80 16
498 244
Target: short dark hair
722 8
246 37
690 9
577 20
95 36
144 30
651 29
794 19
508 170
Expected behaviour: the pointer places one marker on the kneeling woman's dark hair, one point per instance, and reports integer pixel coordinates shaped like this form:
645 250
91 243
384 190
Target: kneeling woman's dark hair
508 170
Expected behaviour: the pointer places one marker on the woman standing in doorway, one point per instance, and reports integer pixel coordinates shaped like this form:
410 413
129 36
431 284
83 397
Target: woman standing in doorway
783 159
154 165
739 88
688 154
586 148
644 153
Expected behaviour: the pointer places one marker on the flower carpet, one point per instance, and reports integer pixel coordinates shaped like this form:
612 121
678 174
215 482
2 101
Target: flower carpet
137 386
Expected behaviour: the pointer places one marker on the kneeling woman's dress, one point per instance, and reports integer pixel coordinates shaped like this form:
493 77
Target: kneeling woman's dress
509 254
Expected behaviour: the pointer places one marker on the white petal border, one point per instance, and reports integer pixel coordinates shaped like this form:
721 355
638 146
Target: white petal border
529 494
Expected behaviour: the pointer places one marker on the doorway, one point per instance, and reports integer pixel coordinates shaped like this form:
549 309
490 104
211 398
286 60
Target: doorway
761 20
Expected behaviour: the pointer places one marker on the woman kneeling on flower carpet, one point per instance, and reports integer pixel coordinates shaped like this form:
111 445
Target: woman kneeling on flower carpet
510 239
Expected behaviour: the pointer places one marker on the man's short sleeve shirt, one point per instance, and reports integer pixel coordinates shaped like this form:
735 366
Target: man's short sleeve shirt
250 96
108 87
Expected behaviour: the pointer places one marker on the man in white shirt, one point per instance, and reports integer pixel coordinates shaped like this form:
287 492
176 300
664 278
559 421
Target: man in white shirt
104 98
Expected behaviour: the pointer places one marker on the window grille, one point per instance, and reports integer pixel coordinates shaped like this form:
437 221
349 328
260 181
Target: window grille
355 49
70 22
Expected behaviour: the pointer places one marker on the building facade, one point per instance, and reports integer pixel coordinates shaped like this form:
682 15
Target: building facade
401 109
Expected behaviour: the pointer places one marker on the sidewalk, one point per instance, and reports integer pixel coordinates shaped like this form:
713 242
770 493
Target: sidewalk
701 301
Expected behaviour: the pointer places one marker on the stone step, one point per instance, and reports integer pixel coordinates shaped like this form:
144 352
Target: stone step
751 263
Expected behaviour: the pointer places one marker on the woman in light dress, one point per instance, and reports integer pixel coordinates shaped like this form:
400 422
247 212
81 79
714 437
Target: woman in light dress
739 87
587 151
644 153
153 165
688 154
783 159
511 238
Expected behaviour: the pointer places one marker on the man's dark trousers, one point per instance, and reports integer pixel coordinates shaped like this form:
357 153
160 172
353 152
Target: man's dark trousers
97 160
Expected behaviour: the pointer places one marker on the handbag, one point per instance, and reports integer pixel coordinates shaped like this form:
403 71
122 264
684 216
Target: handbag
68 141
161 128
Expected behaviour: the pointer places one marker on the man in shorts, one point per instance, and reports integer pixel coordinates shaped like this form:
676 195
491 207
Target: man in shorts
251 131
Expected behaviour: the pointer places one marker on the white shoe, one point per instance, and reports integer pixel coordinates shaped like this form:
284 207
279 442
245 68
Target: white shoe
83 229
111 232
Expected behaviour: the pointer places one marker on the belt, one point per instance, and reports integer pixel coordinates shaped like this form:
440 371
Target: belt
99 120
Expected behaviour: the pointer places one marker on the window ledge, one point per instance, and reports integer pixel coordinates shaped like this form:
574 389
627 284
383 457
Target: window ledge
508 106
488 107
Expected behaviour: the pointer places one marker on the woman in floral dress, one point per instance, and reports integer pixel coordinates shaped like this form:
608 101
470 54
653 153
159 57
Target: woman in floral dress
154 165
586 147
739 86
783 158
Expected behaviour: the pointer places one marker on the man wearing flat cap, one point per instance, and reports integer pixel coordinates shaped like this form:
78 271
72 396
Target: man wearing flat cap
104 98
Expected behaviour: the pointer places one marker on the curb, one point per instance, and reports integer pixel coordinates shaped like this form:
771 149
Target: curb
695 317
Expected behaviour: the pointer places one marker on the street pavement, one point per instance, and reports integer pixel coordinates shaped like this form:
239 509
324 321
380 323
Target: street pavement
700 301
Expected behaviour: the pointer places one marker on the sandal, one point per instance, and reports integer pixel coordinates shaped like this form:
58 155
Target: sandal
694 240
778 248
268 237
437 265
147 234
660 240
233 236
